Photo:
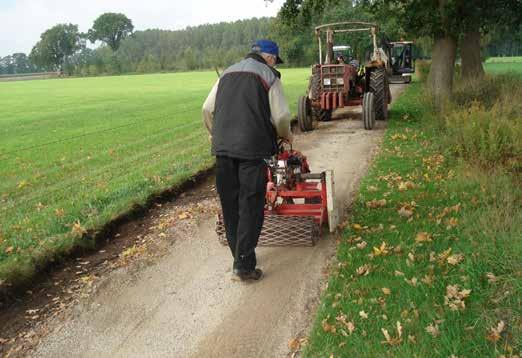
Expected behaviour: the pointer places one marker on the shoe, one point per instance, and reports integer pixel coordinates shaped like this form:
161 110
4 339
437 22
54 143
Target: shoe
253 275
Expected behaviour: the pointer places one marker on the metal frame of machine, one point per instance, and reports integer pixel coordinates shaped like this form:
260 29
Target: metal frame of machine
297 203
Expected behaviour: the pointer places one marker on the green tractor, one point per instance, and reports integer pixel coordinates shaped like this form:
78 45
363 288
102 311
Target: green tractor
339 80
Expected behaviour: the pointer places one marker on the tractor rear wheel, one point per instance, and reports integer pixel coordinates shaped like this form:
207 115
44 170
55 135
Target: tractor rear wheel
368 110
380 88
304 116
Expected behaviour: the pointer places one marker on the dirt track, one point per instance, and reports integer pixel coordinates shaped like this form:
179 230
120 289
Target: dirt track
185 304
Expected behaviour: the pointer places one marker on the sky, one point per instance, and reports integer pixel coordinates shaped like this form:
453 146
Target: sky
22 21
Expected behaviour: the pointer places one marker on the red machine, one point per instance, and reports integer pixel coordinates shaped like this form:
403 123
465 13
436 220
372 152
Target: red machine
298 203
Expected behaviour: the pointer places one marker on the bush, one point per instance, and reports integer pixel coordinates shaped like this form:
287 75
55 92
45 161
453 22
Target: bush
488 137
422 69
488 90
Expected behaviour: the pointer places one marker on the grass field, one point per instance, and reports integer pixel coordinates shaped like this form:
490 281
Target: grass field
497 65
76 153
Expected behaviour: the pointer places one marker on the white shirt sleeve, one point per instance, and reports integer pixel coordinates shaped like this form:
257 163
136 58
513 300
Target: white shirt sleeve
209 106
280 113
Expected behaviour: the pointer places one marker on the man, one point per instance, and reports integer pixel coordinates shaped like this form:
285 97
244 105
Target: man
245 114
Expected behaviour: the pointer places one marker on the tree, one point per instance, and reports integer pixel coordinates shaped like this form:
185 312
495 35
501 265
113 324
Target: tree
56 45
479 18
111 28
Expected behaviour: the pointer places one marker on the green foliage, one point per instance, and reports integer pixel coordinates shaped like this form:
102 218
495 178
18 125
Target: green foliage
16 63
111 28
486 125
422 69
55 46
200 47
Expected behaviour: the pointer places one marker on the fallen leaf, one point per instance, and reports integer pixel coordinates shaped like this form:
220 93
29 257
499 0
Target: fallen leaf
59 213
398 273
294 344
362 245
348 324
9 250
351 327
357 227
413 281
183 216
22 184
392 341
363 315
455 297
363 270
423 237
328 327
412 339
382 250
491 277
77 229
455 259
427 279
386 290
406 185
374 204
433 329
405 213
443 256
495 332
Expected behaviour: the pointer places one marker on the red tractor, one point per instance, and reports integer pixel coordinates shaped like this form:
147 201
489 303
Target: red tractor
340 81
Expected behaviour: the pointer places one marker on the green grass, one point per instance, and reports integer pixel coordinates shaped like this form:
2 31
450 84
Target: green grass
87 150
496 65
456 209
509 59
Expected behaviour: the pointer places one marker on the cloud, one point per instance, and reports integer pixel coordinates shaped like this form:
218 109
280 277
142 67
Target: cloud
22 21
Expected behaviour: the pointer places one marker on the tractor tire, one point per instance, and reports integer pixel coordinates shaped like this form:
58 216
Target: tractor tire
368 110
304 115
380 88
323 115
315 84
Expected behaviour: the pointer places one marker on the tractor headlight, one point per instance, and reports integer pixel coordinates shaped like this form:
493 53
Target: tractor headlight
340 81
327 81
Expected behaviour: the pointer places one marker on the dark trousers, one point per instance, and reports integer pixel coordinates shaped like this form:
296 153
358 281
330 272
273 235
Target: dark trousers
241 185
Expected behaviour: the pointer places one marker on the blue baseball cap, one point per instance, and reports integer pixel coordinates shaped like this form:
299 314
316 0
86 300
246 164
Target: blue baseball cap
269 47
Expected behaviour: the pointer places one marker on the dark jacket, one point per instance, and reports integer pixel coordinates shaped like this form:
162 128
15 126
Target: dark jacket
242 125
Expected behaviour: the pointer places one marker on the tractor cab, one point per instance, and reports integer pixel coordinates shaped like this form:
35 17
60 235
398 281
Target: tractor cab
342 54
402 61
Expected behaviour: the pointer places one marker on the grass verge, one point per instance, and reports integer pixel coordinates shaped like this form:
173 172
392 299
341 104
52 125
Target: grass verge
429 262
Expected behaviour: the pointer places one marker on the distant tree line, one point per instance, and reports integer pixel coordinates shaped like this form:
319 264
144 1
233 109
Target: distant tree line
123 50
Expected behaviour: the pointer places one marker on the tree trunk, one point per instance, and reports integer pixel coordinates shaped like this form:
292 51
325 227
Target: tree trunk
470 53
440 79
